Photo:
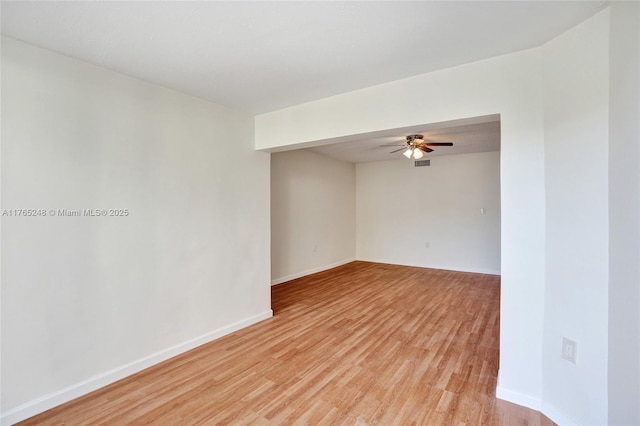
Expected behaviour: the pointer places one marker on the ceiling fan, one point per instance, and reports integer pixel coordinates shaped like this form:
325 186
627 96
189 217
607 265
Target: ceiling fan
416 145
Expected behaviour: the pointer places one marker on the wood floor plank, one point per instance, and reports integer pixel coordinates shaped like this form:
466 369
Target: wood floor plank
361 344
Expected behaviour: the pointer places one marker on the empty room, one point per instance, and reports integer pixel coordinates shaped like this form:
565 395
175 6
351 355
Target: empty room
320 213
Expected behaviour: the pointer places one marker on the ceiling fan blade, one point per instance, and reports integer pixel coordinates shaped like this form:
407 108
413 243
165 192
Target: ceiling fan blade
394 144
424 148
401 149
438 143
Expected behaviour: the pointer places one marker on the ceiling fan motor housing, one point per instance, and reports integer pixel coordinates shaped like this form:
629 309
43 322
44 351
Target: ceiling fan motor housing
412 139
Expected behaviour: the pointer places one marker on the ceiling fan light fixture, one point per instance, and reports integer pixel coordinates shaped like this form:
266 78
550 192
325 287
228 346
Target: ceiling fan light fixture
416 146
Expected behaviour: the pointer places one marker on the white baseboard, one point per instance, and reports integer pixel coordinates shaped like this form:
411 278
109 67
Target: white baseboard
310 271
98 381
558 417
446 268
518 398
528 401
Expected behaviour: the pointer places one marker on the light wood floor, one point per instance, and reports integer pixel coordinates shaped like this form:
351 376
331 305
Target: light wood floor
362 344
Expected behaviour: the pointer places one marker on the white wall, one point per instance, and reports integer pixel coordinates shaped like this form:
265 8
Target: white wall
624 214
87 300
576 99
509 85
312 214
401 207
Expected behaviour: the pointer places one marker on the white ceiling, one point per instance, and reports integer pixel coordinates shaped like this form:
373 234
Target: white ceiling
478 134
263 56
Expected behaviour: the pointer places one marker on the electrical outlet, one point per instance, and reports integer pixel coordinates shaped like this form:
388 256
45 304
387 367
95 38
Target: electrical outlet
569 350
